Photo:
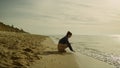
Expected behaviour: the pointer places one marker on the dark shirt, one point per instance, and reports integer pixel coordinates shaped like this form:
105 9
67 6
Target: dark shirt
64 40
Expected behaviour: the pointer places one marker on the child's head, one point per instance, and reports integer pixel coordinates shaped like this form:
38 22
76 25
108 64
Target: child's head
69 34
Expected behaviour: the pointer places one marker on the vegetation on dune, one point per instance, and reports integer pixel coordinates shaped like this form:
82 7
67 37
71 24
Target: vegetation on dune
4 27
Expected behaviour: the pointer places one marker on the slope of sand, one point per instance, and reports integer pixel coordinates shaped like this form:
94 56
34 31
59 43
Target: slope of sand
52 59
19 50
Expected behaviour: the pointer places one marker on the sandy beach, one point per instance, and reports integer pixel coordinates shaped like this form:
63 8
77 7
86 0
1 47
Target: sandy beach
52 59
23 50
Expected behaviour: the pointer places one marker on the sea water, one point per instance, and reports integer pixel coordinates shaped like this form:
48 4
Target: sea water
105 48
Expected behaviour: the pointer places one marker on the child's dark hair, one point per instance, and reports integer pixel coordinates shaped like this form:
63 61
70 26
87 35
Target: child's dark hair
68 33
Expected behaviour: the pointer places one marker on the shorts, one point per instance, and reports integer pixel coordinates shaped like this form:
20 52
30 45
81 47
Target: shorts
62 47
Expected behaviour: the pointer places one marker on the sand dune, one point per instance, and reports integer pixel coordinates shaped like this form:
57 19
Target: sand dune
19 50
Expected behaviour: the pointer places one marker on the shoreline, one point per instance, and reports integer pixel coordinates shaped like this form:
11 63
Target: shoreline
89 62
52 59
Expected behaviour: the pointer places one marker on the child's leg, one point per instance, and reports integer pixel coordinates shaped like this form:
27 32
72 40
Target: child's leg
62 47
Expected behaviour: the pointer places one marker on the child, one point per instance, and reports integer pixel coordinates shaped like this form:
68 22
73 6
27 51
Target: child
64 43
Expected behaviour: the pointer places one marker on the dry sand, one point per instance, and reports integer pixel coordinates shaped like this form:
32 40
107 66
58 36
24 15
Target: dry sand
19 50
52 59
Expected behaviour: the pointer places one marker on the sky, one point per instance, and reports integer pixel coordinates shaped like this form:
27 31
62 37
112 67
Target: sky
49 17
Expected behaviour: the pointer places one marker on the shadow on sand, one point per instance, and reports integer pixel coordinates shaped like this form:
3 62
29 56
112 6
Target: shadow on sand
54 53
